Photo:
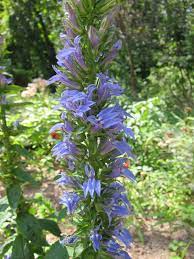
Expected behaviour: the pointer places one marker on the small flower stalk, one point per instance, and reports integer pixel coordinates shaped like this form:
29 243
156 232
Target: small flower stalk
94 145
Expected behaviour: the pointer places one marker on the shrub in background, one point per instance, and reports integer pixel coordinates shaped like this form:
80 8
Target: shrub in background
164 168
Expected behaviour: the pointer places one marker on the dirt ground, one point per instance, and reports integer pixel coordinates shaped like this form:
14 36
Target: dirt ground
156 245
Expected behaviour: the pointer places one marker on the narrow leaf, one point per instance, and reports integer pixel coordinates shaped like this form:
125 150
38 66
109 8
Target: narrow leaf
57 251
23 176
3 204
13 195
50 226
21 249
31 229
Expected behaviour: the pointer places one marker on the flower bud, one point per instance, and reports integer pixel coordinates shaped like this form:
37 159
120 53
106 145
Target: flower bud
93 36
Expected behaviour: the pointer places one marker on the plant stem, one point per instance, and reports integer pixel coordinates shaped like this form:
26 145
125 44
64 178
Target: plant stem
6 137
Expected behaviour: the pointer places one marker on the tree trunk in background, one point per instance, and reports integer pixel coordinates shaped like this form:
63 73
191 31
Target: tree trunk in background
133 78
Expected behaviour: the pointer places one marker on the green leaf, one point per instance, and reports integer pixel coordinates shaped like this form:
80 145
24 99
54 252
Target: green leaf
31 229
75 251
105 6
57 251
4 216
62 214
23 176
50 226
13 194
3 204
78 249
16 105
6 245
21 104
12 89
87 253
21 249
22 151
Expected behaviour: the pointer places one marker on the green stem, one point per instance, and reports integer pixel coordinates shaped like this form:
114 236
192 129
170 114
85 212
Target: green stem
6 137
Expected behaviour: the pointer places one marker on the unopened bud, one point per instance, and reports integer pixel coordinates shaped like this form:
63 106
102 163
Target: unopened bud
93 36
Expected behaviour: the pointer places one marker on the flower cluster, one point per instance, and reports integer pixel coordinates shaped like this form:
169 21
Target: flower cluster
94 140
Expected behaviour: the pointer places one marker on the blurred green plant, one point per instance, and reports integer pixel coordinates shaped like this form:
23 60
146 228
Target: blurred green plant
164 168
174 82
24 232
179 249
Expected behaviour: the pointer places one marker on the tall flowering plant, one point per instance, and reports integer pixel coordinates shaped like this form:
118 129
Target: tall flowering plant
92 138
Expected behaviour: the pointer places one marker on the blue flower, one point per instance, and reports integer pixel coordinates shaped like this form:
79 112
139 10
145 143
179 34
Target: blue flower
71 164
117 205
70 200
66 180
67 57
69 240
113 209
63 79
115 249
124 255
66 126
111 116
112 246
107 88
68 63
58 126
70 54
118 169
123 147
76 102
119 211
123 235
117 186
64 149
110 119
107 147
91 185
129 132
95 238
90 90
78 53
